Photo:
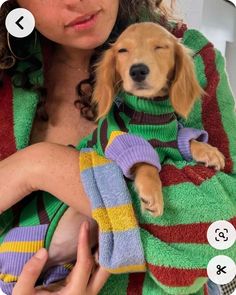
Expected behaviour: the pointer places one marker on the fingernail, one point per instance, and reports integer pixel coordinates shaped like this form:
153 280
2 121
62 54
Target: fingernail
41 253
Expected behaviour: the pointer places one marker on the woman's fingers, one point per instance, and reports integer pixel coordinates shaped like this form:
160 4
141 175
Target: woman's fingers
97 281
79 276
30 274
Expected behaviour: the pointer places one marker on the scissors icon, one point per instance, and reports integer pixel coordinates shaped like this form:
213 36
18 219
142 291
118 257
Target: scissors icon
220 269
221 235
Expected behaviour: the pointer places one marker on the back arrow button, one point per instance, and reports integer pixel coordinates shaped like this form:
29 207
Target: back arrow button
18 23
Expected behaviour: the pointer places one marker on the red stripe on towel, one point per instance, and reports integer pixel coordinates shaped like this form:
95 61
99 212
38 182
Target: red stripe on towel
170 175
181 233
211 115
7 138
135 285
176 277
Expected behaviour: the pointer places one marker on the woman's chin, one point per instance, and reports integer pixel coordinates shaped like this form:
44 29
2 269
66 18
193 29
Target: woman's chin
86 42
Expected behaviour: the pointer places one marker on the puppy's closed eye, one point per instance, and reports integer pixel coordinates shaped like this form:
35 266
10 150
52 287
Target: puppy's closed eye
121 50
161 47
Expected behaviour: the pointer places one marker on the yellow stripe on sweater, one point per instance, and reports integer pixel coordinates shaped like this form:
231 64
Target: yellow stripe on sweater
128 268
113 135
21 247
8 278
120 218
88 160
69 266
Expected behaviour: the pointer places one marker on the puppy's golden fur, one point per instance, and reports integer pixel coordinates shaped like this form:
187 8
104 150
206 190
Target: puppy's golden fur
171 67
171 72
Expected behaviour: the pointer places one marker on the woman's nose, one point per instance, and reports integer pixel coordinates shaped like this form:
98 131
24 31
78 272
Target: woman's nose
74 4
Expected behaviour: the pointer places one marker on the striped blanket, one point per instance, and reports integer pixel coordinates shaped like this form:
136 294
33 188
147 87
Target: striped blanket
175 246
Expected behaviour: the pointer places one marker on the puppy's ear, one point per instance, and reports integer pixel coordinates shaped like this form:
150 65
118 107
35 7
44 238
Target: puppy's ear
105 86
185 88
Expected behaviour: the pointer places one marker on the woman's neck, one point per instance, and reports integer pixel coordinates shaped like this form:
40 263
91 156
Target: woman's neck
67 67
73 56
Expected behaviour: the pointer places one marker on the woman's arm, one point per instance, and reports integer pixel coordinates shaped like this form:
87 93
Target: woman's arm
43 166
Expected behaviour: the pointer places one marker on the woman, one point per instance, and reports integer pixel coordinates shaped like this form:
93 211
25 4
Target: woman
70 31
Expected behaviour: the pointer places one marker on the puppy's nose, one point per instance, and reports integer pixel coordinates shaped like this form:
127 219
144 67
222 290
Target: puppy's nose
139 72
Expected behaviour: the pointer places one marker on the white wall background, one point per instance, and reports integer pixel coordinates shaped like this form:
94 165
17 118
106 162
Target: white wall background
230 54
216 19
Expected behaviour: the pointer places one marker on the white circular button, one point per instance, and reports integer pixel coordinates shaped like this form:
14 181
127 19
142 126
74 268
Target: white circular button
20 22
221 235
221 269
2 1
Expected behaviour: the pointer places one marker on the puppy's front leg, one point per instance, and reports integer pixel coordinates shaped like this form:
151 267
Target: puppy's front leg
205 153
148 185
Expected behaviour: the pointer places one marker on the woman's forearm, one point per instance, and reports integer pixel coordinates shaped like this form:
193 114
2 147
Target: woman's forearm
57 172
43 166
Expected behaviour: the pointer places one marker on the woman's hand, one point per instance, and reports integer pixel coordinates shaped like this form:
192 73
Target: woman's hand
43 166
86 278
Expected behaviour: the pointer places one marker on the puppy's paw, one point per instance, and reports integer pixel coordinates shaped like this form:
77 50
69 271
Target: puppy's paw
150 193
207 154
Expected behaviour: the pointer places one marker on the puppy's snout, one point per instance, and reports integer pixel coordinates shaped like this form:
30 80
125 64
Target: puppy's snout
139 72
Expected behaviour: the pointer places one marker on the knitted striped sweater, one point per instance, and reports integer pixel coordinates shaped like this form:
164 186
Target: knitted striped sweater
142 130
175 246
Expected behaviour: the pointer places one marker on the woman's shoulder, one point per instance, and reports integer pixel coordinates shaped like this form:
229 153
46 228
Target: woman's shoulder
199 44
195 40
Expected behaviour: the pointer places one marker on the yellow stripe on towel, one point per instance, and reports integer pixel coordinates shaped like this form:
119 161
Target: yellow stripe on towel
8 278
91 159
128 268
21 247
122 218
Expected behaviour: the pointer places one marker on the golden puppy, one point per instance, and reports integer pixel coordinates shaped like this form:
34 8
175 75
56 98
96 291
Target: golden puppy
148 61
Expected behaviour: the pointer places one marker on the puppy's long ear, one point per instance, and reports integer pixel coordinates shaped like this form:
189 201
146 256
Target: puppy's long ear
104 90
185 88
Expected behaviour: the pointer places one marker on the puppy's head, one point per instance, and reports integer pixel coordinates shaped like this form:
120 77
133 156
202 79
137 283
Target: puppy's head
147 61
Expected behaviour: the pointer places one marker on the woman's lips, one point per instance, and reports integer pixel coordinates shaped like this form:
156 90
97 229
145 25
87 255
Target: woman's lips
85 22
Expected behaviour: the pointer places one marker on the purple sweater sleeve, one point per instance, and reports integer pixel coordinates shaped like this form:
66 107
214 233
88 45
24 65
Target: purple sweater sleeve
127 150
184 137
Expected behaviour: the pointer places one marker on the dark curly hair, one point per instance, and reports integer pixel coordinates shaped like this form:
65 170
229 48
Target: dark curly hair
130 11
